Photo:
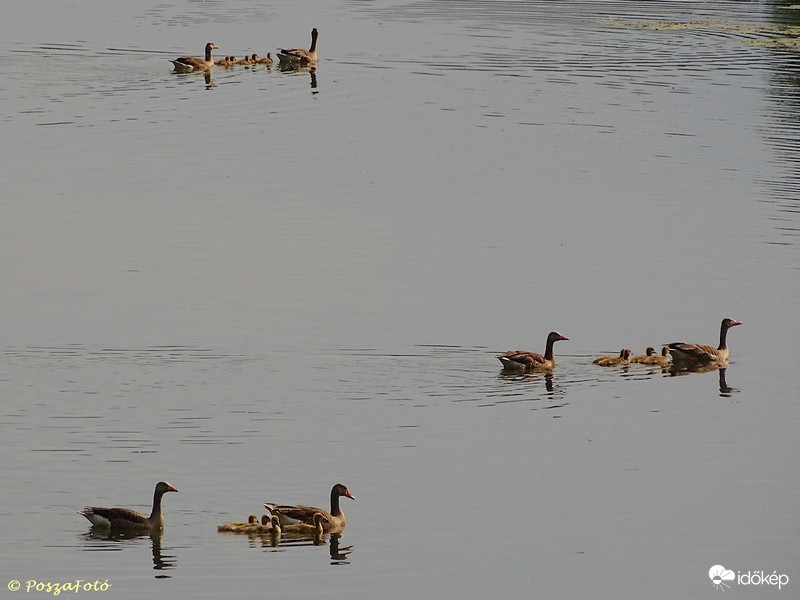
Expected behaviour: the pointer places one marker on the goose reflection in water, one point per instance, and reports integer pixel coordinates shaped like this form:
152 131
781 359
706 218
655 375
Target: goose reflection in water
268 532
724 390
285 538
293 68
339 555
161 561
208 82
512 376
722 371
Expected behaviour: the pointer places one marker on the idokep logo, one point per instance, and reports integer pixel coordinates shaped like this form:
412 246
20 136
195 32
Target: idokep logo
721 578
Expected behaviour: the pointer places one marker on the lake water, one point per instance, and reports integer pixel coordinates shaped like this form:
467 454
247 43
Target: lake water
261 284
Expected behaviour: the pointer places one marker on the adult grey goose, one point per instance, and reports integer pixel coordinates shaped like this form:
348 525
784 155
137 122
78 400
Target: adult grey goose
187 64
127 519
522 360
701 354
289 514
299 56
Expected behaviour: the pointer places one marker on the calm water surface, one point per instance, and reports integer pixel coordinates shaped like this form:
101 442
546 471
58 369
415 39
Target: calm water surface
261 284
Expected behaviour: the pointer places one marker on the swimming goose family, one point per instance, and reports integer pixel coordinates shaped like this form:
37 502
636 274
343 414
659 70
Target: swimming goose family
304 518
684 356
286 56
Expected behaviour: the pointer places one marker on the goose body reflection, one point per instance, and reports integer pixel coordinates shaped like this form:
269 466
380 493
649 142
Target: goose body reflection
725 390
